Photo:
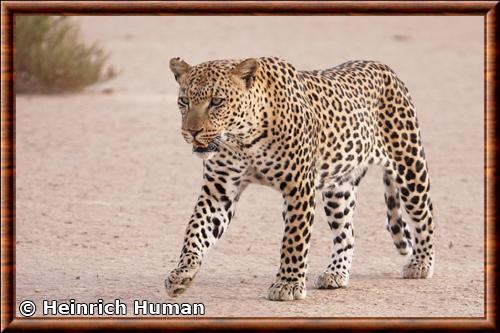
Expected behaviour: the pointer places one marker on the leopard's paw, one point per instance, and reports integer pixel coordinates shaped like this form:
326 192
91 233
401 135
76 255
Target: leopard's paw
417 271
287 291
178 281
331 280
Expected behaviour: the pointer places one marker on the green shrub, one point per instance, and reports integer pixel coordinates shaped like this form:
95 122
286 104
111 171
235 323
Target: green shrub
51 57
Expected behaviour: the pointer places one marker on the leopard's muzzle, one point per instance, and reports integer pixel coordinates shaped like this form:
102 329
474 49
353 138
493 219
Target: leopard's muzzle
211 147
205 152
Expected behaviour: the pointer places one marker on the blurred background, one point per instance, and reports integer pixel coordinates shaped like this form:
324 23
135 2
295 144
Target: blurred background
105 184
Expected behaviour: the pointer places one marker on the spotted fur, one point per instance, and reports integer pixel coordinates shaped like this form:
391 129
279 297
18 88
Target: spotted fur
263 121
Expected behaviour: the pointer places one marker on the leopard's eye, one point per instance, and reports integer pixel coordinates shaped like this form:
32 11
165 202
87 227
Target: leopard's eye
184 101
216 102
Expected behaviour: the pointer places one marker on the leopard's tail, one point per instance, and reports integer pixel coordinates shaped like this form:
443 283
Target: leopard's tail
395 224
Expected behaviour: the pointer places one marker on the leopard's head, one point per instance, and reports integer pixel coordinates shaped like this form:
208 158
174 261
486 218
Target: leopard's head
213 99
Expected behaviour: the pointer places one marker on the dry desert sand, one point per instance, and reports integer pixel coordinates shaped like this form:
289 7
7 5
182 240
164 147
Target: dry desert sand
105 183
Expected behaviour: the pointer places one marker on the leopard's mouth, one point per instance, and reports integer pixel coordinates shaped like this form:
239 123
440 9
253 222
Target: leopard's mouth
205 151
211 147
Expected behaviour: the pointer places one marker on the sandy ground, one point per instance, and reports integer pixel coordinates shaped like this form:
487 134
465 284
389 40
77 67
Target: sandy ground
105 183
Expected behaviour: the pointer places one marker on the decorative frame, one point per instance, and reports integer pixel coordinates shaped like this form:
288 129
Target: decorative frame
487 9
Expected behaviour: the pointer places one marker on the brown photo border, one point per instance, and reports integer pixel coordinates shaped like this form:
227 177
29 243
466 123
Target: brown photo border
487 9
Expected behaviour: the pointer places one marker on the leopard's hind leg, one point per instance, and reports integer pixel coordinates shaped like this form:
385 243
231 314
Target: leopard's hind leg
395 224
408 167
413 183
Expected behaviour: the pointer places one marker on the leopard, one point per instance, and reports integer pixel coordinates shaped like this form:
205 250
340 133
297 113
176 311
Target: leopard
306 134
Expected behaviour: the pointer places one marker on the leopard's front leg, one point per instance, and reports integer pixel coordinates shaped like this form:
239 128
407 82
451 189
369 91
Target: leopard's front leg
213 212
298 214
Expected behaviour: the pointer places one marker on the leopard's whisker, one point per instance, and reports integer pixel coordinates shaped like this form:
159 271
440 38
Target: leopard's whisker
234 149
228 147
235 145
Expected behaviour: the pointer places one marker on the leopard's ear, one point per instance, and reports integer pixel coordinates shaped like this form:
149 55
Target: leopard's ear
179 67
244 73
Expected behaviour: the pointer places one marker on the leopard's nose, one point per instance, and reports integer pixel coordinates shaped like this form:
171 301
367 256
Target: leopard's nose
195 132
